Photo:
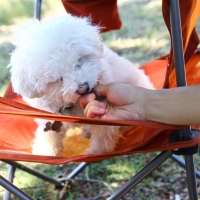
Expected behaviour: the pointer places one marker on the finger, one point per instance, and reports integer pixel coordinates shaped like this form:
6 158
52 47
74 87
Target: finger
95 108
85 99
95 112
95 104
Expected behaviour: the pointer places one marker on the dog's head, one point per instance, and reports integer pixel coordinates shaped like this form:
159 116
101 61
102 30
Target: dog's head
56 59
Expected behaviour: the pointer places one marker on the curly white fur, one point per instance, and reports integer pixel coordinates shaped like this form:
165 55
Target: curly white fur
51 60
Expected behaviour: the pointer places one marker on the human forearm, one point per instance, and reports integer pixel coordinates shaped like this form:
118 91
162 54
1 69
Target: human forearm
179 106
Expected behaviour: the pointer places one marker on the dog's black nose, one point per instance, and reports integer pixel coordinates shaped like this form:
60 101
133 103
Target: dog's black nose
83 89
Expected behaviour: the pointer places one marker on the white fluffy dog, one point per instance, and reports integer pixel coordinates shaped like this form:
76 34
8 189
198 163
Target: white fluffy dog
57 60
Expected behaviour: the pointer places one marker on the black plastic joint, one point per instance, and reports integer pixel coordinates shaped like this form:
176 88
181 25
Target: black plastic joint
178 136
186 151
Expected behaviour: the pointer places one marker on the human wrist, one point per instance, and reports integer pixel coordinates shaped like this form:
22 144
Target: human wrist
152 105
140 104
158 105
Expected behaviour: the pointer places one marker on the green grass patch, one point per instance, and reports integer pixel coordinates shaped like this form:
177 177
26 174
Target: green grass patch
13 11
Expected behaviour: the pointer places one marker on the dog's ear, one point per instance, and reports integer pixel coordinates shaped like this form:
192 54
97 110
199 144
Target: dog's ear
22 82
96 40
85 34
23 87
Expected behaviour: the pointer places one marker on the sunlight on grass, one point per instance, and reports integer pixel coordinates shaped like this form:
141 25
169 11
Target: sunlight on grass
144 43
152 4
140 39
12 10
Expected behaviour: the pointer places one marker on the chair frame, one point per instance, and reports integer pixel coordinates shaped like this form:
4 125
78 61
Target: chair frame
187 134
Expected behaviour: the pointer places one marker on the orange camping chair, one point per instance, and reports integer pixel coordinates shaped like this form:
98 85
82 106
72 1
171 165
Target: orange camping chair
145 136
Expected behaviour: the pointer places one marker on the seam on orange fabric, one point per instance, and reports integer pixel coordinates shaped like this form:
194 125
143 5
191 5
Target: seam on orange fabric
82 120
193 15
18 105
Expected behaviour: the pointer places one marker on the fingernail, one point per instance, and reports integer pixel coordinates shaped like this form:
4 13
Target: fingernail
102 109
102 105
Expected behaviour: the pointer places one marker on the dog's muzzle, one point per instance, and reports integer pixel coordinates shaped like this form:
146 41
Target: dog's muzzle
83 89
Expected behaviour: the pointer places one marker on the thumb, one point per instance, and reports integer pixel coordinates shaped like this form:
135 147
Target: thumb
101 90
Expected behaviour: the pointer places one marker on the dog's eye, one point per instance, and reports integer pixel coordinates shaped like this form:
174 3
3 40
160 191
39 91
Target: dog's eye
77 67
80 62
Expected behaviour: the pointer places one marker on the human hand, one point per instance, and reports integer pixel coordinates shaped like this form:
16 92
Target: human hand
123 102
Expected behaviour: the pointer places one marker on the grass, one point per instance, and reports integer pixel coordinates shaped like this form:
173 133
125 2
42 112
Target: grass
13 11
138 40
141 39
4 59
115 172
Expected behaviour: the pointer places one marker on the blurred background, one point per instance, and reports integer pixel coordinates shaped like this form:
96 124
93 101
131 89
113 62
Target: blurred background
142 38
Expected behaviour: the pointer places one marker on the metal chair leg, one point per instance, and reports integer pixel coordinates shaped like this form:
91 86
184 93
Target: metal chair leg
191 177
181 162
177 45
141 175
35 173
11 173
37 9
77 170
13 189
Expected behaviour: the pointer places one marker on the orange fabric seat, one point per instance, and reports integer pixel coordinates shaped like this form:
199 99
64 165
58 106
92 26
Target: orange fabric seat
17 119
18 128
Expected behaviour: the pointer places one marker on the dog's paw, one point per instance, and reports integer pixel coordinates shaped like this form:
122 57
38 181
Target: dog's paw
48 142
103 139
55 126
